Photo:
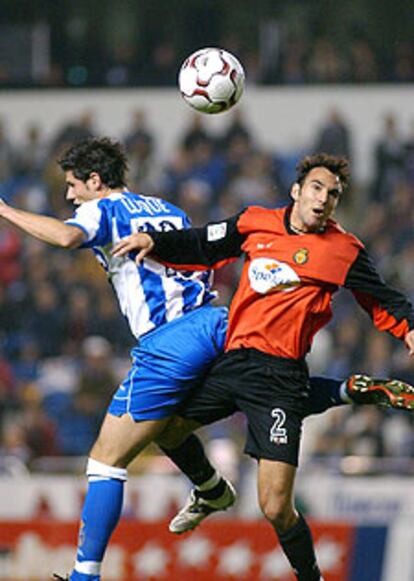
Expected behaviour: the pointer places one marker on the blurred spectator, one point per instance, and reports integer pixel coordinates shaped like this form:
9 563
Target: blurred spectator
208 166
254 184
196 133
32 154
377 361
334 136
97 380
176 172
80 315
194 197
347 348
139 135
227 205
161 67
389 160
363 65
109 324
54 182
236 153
403 63
292 64
75 130
325 64
57 376
77 425
236 130
46 324
236 143
144 170
26 364
39 430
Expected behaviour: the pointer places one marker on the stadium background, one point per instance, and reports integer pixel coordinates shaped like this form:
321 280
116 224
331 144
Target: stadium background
319 76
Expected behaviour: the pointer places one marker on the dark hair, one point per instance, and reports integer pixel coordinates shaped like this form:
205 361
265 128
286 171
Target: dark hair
100 155
336 164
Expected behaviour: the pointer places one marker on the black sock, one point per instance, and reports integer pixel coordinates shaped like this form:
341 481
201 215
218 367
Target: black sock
191 460
297 544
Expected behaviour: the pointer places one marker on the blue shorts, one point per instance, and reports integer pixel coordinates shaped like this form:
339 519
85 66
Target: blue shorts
169 362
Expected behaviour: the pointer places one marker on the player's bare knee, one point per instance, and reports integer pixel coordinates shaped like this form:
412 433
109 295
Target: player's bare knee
277 509
106 452
273 512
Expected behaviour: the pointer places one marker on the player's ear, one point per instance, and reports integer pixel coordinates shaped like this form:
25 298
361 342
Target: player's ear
294 192
95 179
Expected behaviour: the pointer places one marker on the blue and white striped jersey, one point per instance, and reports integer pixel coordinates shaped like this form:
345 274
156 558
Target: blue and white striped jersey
149 294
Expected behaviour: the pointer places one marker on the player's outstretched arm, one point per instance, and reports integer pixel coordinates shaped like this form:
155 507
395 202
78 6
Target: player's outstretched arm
210 246
138 242
43 228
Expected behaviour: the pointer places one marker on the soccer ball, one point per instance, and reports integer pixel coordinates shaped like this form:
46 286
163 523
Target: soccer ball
211 80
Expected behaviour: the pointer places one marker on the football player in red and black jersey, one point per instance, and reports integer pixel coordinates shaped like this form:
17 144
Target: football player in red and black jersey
296 258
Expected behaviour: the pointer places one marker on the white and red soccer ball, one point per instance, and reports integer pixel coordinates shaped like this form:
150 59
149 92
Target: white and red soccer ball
211 80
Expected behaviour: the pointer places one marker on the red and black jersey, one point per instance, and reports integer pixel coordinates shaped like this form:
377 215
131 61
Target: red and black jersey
286 286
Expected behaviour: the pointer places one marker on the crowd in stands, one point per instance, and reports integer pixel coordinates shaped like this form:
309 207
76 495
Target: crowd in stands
298 61
64 346
292 59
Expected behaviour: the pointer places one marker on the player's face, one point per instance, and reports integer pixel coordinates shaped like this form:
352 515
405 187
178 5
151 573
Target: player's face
315 201
79 191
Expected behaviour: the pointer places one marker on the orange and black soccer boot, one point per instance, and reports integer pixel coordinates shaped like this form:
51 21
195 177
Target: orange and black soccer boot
390 393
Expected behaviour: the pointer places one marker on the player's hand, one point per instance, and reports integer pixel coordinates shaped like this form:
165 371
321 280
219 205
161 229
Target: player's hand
409 341
138 242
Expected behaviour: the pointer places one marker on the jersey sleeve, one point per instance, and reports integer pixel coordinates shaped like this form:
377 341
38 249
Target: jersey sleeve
211 246
389 309
91 217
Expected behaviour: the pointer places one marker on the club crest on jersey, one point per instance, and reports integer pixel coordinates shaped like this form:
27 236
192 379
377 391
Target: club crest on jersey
269 275
301 256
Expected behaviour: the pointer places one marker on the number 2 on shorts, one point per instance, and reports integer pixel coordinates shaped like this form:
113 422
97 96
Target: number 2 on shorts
278 434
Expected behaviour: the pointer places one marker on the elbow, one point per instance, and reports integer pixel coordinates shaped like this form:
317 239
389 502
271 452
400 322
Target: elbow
71 239
70 244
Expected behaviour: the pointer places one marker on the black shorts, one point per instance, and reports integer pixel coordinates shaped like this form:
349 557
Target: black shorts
271 391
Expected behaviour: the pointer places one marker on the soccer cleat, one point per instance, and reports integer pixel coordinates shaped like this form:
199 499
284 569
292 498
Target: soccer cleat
197 508
393 393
